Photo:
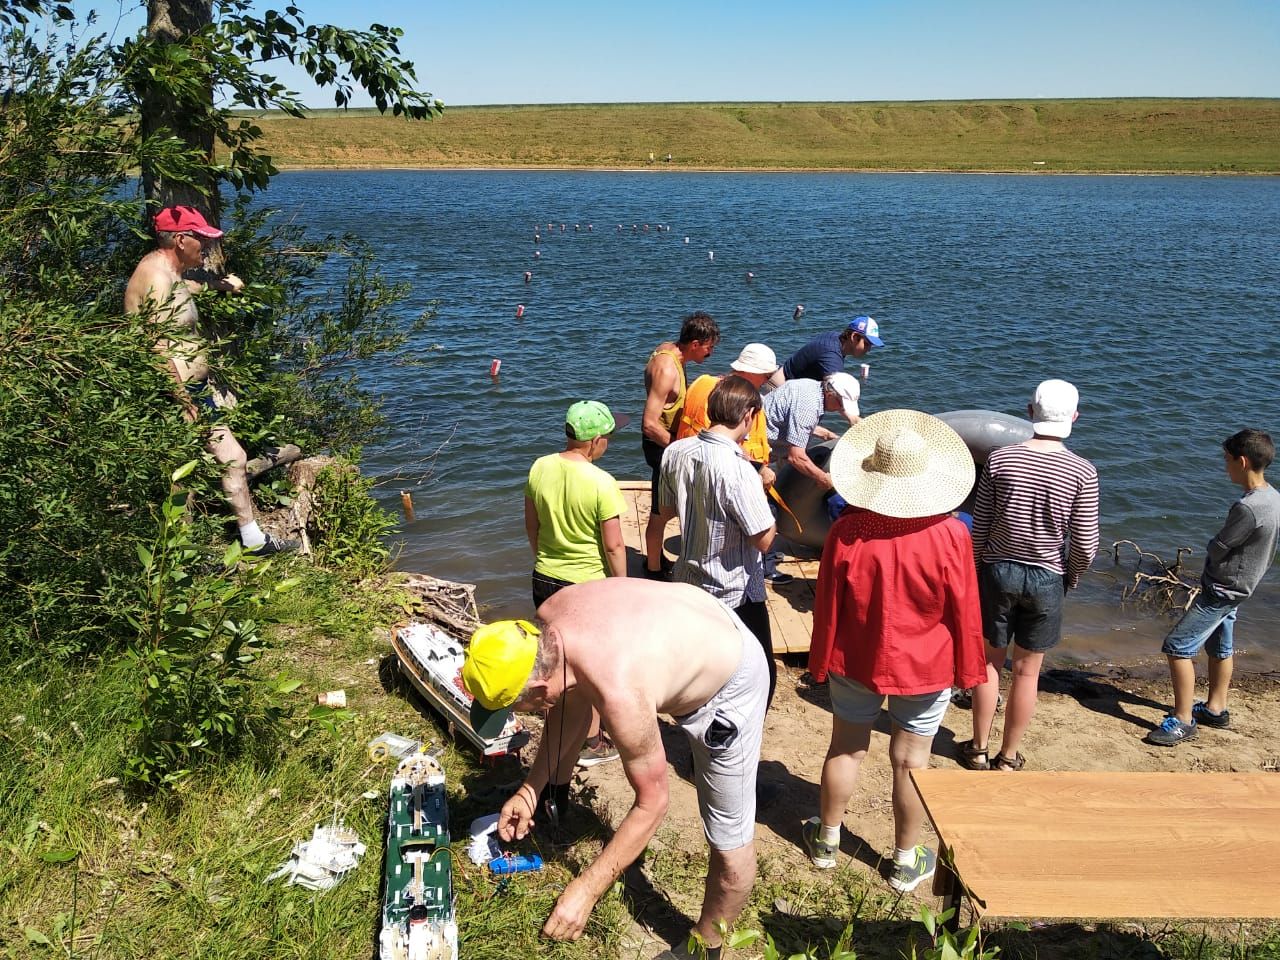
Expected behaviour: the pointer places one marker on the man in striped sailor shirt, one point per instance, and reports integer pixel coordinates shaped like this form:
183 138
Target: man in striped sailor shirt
1035 533
725 522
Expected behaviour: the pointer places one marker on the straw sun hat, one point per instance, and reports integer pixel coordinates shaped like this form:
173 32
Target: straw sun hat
902 463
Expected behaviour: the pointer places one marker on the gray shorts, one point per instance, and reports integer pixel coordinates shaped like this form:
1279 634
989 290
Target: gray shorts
854 703
724 735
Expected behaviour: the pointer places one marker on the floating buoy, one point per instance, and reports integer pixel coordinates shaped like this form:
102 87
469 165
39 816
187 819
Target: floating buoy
537 254
686 239
576 228
406 502
519 310
588 228
799 312
711 254
866 370
528 275
537 238
562 228
750 276
494 367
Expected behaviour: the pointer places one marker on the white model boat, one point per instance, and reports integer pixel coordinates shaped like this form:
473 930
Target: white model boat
432 660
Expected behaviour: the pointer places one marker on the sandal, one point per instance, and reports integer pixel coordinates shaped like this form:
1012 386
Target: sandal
1001 762
971 758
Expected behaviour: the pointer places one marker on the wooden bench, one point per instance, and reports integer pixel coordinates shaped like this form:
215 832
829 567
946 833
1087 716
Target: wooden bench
1101 845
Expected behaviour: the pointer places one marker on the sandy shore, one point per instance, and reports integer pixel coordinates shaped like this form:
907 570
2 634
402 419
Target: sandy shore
1087 719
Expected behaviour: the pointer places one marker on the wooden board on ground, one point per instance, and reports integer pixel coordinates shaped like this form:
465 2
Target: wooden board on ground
1111 845
790 604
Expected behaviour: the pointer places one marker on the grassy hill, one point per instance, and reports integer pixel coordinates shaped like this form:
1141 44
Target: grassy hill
1101 136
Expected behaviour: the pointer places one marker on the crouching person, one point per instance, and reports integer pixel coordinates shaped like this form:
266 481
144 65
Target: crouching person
623 647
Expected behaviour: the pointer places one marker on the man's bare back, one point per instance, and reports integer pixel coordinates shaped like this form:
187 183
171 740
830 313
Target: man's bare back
673 642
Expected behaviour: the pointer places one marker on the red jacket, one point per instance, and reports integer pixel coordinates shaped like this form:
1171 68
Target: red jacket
897 605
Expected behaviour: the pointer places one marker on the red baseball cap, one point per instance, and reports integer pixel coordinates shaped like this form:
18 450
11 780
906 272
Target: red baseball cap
182 219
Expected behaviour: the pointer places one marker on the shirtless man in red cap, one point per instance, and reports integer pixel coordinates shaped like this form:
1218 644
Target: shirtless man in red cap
159 288
623 646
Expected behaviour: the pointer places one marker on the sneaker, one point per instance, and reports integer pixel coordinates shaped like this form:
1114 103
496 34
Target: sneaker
274 545
602 752
778 578
1205 717
821 853
1172 732
905 877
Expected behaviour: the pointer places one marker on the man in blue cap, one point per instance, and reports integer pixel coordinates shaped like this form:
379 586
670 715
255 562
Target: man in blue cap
825 353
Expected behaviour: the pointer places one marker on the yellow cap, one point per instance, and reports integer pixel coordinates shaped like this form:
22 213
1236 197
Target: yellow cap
499 660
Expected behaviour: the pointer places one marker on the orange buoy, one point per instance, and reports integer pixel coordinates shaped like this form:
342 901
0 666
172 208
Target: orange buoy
494 367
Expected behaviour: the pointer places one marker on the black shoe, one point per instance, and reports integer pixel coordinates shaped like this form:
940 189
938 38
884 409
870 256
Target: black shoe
778 578
274 545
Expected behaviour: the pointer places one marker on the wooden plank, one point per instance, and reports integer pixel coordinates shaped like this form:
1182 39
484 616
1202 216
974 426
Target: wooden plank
1111 845
790 605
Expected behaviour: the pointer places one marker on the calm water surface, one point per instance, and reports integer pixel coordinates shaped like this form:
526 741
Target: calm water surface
1155 295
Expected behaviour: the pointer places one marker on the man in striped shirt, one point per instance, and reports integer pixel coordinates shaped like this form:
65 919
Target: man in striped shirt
725 522
1035 533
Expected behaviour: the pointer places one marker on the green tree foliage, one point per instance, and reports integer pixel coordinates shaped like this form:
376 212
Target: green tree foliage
98 555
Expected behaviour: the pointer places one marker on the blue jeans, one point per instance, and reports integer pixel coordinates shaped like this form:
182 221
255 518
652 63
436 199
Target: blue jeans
1210 623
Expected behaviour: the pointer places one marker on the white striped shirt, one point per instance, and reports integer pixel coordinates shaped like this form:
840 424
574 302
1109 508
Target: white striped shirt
721 504
1031 504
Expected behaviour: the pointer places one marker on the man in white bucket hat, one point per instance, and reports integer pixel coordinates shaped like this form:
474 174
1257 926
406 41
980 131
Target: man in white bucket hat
896 614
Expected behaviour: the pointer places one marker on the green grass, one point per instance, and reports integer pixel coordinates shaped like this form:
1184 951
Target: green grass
1083 136
89 871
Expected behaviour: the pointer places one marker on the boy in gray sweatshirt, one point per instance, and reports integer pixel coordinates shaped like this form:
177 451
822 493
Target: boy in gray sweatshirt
1237 559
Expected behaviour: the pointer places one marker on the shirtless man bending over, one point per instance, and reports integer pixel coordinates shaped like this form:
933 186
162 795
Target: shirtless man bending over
622 646
158 288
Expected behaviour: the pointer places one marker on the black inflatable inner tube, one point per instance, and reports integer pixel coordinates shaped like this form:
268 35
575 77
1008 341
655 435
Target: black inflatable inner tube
981 430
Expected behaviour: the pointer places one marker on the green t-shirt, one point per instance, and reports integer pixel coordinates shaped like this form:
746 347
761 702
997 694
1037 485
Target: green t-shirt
573 498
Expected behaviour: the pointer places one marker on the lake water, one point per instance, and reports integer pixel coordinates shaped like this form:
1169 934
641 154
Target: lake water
1156 296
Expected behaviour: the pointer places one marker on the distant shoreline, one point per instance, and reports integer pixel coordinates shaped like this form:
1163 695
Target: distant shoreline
1138 137
566 168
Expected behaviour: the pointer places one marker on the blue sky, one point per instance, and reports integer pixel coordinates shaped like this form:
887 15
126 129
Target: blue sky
555 51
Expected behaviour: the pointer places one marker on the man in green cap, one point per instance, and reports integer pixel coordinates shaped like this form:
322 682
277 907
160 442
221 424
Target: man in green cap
632 649
571 514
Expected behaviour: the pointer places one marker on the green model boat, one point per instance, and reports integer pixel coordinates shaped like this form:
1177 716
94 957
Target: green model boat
418 920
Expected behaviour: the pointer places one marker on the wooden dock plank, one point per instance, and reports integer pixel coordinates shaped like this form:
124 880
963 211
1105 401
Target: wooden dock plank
790 605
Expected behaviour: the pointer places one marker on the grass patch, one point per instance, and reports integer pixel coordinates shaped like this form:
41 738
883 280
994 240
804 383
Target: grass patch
1081 136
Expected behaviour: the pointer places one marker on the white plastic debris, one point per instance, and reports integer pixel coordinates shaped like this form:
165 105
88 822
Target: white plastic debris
484 845
321 862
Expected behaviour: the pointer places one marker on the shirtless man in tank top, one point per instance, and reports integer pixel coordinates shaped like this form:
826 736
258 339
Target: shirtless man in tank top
622 646
160 288
664 384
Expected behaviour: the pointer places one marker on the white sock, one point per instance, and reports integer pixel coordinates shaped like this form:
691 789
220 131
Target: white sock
251 535
829 835
906 857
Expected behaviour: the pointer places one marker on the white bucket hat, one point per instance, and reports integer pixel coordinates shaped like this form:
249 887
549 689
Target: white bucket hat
902 463
755 358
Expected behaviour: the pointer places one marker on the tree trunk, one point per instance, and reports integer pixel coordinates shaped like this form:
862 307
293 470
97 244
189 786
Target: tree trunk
172 21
